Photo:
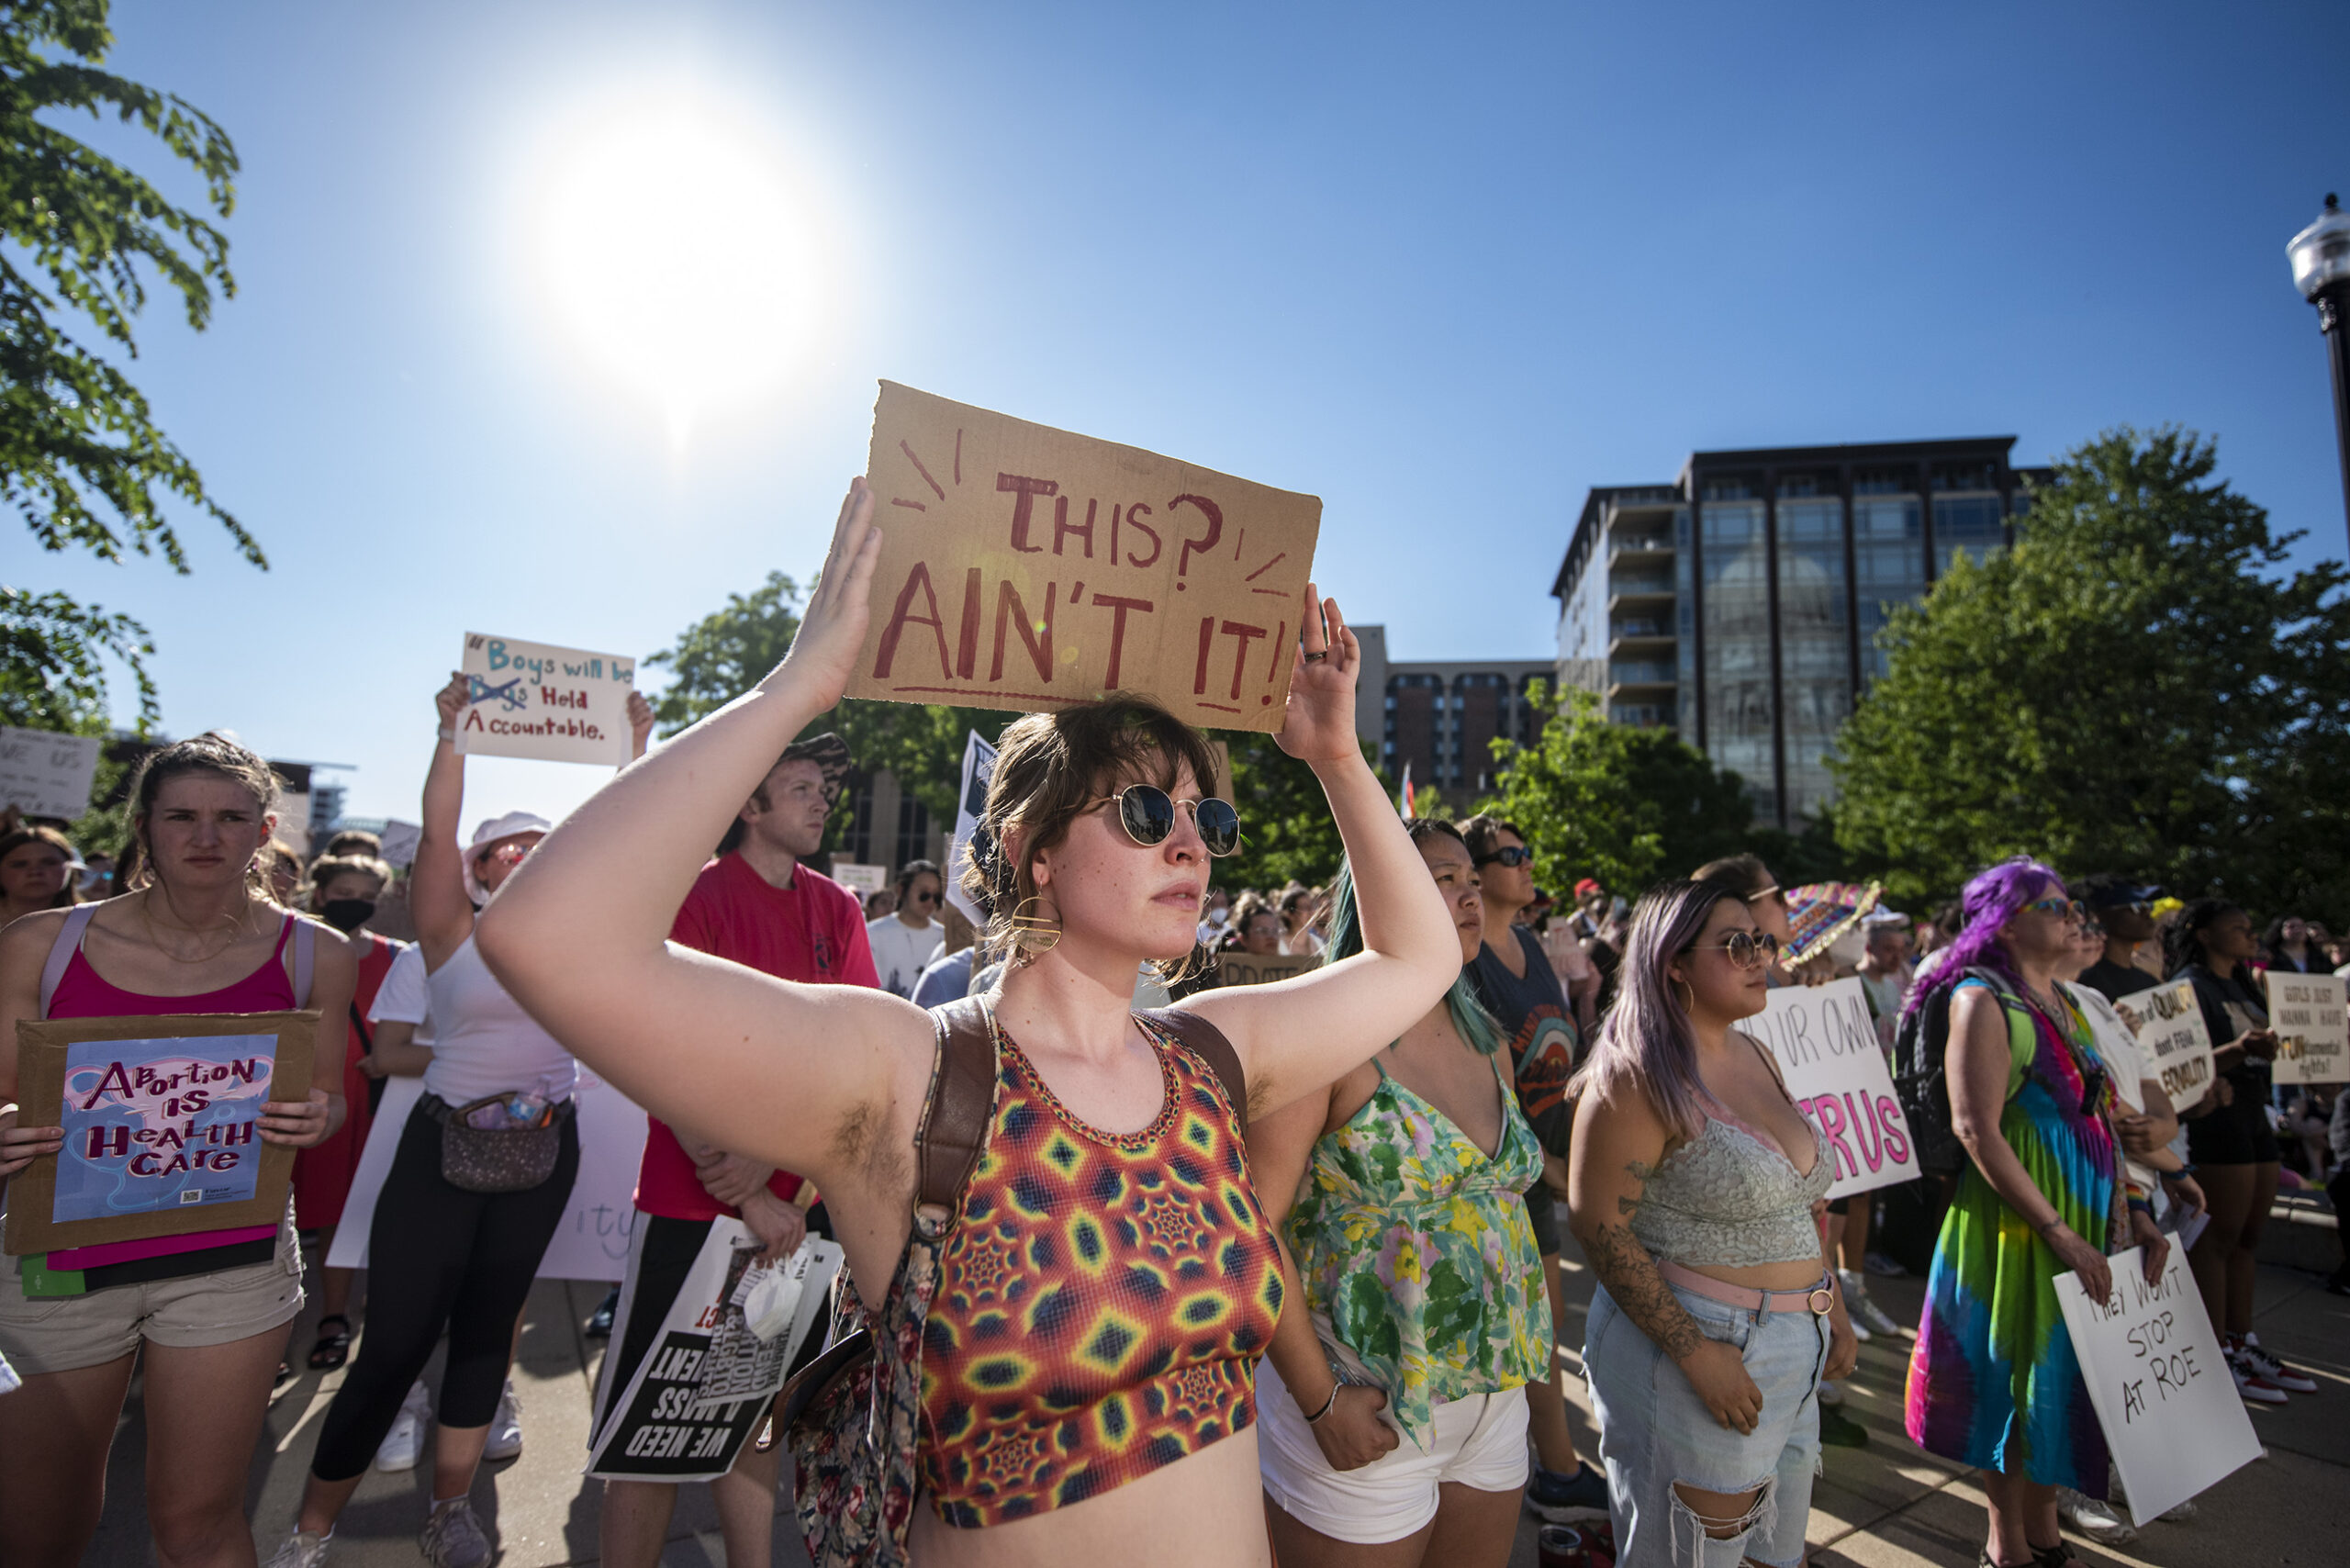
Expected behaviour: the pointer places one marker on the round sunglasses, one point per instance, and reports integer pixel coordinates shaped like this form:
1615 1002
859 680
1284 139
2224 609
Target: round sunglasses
1148 814
1748 950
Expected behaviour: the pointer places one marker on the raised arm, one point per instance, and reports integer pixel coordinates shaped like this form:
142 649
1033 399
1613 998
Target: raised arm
806 1077
1297 1036
437 900
1618 1142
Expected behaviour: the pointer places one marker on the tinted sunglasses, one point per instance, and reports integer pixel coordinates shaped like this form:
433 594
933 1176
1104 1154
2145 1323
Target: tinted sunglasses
2056 906
1515 854
1747 950
1148 814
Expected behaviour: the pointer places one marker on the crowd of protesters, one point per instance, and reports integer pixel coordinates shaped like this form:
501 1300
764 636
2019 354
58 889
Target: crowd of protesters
1328 1211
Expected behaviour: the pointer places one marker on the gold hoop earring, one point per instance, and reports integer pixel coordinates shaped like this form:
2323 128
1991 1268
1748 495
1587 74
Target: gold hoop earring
1033 936
1691 1005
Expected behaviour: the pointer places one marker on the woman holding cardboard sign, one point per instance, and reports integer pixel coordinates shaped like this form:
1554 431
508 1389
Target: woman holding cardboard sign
211 1310
1103 1270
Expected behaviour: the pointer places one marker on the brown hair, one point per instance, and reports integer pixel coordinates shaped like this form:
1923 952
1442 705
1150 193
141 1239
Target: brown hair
1744 875
35 834
1477 834
208 752
355 841
1049 769
326 867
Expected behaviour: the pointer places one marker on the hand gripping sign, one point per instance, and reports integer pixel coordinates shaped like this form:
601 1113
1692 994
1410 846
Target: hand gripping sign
1827 1049
1025 568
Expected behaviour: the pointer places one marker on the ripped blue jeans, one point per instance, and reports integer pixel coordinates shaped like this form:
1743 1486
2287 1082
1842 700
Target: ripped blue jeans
1654 1430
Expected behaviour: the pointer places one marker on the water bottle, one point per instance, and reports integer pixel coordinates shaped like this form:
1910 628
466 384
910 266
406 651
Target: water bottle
1562 1546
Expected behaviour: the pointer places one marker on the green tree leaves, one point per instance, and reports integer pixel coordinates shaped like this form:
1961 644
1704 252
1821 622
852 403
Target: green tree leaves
1628 806
2133 687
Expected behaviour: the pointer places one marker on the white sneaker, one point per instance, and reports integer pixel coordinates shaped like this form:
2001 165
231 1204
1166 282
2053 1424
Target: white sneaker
404 1444
2259 1362
2250 1383
2093 1518
302 1549
452 1537
506 1427
1868 1318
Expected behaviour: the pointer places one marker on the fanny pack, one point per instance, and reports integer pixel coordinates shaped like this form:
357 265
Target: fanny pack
505 1158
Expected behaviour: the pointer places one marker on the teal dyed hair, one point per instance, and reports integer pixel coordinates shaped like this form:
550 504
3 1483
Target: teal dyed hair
1469 1015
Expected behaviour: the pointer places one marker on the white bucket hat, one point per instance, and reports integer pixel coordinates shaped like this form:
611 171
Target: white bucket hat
489 833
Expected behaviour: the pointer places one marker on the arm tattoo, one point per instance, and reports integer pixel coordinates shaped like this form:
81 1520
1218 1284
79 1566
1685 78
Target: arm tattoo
1629 1271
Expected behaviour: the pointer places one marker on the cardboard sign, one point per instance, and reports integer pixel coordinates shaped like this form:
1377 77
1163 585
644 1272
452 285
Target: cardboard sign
591 1241
2159 1384
862 880
1827 1049
400 840
2173 1042
555 704
706 1382
1025 568
2312 1027
45 774
979 768
162 1117
1248 969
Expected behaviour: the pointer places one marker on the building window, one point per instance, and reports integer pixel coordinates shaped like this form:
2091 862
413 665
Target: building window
1970 525
1889 561
913 831
1814 646
1738 649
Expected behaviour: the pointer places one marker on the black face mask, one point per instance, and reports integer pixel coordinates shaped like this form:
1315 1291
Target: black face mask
348 916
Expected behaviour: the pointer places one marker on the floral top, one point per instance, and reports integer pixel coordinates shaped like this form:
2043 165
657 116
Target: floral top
1417 1254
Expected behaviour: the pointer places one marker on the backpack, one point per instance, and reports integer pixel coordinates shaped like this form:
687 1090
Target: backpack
853 1414
1920 1077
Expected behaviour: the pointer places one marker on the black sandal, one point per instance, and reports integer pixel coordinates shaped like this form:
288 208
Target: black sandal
333 1347
2057 1556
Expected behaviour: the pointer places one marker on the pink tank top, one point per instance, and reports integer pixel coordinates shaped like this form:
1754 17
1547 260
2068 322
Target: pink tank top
83 992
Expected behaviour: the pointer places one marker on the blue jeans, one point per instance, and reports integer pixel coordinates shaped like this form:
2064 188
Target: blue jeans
1654 1431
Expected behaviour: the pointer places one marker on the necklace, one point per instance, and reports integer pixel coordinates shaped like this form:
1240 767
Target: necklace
146 897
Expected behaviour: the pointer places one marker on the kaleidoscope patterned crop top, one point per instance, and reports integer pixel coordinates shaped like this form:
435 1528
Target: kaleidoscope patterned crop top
1101 1301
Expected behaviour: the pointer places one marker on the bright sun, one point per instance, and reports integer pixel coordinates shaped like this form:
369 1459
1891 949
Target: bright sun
675 246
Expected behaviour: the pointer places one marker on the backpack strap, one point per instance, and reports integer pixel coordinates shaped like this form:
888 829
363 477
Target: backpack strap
61 951
2023 1034
962 1093
1208 1042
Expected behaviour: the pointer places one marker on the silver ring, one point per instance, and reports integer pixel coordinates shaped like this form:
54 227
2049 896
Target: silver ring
1316 658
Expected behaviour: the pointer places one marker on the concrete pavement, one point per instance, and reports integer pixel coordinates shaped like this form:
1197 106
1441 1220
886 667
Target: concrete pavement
1887 1505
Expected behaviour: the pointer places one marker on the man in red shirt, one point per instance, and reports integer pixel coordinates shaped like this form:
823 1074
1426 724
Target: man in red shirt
756 905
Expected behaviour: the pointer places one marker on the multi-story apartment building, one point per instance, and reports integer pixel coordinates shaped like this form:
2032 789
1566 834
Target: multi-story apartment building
1442 717
1739 603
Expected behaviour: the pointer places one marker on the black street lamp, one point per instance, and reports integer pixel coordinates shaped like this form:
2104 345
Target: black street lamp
2320 257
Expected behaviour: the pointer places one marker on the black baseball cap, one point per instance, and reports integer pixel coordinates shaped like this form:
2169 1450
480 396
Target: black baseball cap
2115 893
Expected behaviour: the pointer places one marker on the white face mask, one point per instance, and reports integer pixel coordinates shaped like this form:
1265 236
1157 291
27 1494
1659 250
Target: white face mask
1216 916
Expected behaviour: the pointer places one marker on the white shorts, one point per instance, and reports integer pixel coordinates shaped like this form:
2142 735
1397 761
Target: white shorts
1478 1441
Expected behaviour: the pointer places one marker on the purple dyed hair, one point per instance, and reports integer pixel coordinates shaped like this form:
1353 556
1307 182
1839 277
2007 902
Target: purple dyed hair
1645 1042
1991 900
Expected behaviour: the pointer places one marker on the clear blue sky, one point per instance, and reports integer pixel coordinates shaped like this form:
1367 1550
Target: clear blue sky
1444 266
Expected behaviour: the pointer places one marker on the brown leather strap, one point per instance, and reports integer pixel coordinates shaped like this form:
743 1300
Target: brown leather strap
962 1097
1208 1042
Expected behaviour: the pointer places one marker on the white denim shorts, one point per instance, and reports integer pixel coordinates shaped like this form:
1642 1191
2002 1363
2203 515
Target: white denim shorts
1478 1441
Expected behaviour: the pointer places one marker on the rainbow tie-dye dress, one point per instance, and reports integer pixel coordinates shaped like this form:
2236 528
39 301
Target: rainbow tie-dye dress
1993 1380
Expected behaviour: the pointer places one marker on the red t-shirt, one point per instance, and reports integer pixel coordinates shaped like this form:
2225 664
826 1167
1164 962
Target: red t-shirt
812 930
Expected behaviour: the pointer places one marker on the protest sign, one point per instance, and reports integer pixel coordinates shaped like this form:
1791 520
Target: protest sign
862 880
1027 567
46 774
2159 1384
979 768
400 840
1827 1049
534 699
2312 1027
705 1384
2173 1043
1248 969
162 1117
591 1240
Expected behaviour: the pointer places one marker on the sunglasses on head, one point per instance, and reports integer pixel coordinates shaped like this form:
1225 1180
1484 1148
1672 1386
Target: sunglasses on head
1515 854
1747 950
1148 814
